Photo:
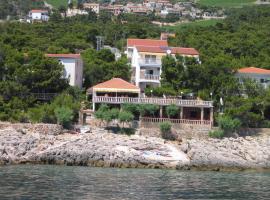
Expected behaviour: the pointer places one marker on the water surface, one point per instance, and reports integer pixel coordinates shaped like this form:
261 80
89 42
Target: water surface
62 182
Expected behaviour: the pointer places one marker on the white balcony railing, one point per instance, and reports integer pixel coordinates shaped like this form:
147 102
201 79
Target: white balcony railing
157 101
150 77
150 62
177 121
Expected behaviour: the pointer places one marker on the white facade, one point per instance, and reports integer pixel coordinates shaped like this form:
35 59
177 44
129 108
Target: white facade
263 79
93 6
146 69
38 15
73 68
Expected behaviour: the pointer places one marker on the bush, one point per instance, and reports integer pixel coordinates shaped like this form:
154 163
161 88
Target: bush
125 116
172 110
228 125
165 129
216 134
132 108
64 116
148 109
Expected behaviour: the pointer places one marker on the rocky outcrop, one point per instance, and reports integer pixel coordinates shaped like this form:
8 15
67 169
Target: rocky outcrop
98 148
229 153
101 148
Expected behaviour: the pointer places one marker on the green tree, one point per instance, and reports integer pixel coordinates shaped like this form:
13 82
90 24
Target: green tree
172 110
64 116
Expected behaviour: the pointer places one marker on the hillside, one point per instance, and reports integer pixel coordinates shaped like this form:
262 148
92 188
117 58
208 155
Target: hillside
58 3
226 3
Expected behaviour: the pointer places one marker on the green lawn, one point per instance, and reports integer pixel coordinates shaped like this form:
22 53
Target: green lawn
57 3
202 23
226 3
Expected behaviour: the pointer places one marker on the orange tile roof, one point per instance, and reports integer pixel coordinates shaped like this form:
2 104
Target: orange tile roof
174 50
38 11
254 70
184 51
115 85
146 42
63 55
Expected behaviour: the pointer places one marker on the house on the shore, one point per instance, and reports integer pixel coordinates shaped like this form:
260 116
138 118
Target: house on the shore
145 56
116 92
73 67
261 76
38 15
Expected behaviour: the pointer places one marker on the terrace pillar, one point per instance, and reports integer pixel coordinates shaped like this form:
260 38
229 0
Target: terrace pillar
202 114
94 107
211 115
161 112
181 112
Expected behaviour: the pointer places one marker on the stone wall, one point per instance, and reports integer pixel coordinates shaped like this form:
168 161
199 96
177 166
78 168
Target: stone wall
177 126
47 129
181 133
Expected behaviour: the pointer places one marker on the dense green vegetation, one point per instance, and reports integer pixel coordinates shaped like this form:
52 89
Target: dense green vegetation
201 23
58 3
226 3
15 8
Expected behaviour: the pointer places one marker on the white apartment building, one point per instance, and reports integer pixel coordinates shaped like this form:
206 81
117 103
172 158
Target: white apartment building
261 76
38 15
145 56
73 67
93 6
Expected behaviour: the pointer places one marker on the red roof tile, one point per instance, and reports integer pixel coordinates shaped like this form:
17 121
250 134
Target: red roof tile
254 70
184 51
63 55
116 84
38 11
146 42
174 50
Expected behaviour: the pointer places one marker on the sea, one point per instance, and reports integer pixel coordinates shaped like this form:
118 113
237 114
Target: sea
71 182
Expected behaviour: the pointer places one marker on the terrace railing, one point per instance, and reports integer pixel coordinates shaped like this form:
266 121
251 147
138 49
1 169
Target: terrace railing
176 121
157 101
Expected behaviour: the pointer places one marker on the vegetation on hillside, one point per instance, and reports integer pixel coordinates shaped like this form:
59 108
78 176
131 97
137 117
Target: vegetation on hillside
226 3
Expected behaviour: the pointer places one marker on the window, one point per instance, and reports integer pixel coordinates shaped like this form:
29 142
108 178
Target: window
150 59
262 80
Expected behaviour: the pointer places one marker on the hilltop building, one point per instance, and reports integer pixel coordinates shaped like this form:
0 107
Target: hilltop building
38 15
261 76
93 6
73 67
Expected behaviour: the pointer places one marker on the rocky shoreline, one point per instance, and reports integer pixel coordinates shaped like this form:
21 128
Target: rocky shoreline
49 144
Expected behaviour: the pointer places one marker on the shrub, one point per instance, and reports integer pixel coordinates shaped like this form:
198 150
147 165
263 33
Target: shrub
228 125
133 108
125 116
216 134
172 110
64 116
148 109
165 129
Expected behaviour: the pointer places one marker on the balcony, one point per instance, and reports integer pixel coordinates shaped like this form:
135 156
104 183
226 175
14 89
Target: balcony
149 77
157 101
150 62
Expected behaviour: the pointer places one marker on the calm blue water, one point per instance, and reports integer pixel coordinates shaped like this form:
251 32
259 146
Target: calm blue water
62 182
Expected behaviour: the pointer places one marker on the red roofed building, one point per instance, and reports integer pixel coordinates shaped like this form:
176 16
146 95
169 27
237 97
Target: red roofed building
73 67
145 56
259 75
38 15
112 91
